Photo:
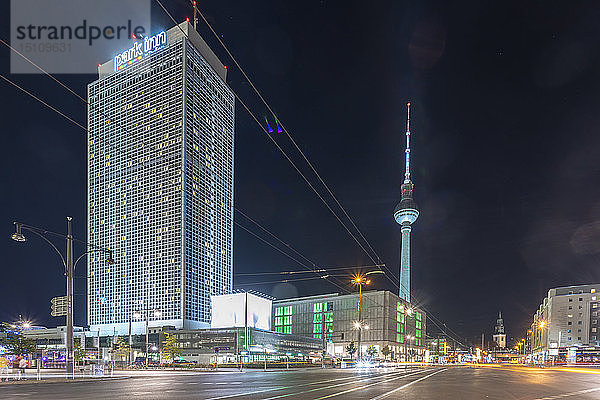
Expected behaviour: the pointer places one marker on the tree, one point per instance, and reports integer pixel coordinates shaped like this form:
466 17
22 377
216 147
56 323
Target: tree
171 347
13 340
351 349
371 350
79 352
386 351
121 348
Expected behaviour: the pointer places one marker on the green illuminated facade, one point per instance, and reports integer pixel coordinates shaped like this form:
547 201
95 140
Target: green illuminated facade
391 322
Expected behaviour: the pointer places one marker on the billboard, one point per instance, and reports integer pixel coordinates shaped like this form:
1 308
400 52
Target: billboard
227 311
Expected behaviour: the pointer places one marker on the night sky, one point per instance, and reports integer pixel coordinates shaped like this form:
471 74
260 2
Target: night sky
506 150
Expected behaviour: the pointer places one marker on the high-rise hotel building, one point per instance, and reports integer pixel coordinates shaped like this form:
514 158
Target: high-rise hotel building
160 184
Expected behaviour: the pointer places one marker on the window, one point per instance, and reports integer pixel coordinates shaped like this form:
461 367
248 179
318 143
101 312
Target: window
399 338
400 307
570 300
578 322
593 291
419 316
578 337
568 331
570 307
317 307
581 299
570 323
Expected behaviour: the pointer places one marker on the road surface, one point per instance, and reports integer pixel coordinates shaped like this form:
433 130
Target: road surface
453 382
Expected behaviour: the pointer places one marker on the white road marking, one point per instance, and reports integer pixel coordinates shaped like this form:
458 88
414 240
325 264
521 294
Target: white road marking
286 387
561 396
407 385
365 386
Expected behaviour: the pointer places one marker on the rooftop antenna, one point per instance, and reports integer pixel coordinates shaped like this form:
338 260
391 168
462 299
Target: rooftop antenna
407 151
195 13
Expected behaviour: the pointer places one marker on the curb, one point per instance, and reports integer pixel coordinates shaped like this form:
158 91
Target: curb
61 380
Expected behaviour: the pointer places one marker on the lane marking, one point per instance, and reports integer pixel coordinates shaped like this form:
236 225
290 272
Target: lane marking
332 386
407 385
289 387
561 396
366 386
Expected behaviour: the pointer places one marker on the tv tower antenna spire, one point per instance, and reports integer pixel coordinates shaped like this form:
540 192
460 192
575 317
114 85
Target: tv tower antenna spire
407 151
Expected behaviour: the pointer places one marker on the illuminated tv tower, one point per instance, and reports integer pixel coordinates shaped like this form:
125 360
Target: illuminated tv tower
405 214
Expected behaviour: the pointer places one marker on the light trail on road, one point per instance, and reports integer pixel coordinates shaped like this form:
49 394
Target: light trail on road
404 374
295 386
366 386
386 394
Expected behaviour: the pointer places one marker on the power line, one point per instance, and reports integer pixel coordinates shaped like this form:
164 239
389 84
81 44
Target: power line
274 236
322 269
44 103
274 142
289 136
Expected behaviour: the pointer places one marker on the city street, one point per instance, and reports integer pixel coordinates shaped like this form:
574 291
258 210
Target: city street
452 382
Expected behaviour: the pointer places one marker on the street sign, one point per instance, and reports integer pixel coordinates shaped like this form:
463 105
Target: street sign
59 306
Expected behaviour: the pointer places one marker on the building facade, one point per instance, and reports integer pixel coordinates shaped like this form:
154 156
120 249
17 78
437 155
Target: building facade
388 321
160 184
567 317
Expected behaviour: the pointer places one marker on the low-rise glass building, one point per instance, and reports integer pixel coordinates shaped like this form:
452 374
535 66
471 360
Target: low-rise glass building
387 320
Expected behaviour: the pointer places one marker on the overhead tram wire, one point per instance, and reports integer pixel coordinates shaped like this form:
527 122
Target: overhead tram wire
289 256
283 281
44 103
279 147
72 92
274 236
287 133
321 269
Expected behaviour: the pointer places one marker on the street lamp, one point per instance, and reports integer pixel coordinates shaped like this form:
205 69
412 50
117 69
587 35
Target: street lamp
361 280
69 268
138 315
407 338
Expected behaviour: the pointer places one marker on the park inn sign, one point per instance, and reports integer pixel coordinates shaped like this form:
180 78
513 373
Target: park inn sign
139 50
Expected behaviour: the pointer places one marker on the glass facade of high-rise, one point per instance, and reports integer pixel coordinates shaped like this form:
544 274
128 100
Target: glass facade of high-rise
160 187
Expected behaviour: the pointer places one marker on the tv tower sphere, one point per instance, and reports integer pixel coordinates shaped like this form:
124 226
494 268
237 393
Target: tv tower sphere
405 214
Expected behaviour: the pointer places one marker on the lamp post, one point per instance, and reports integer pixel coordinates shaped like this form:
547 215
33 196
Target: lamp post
69 269
137 315
361 280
